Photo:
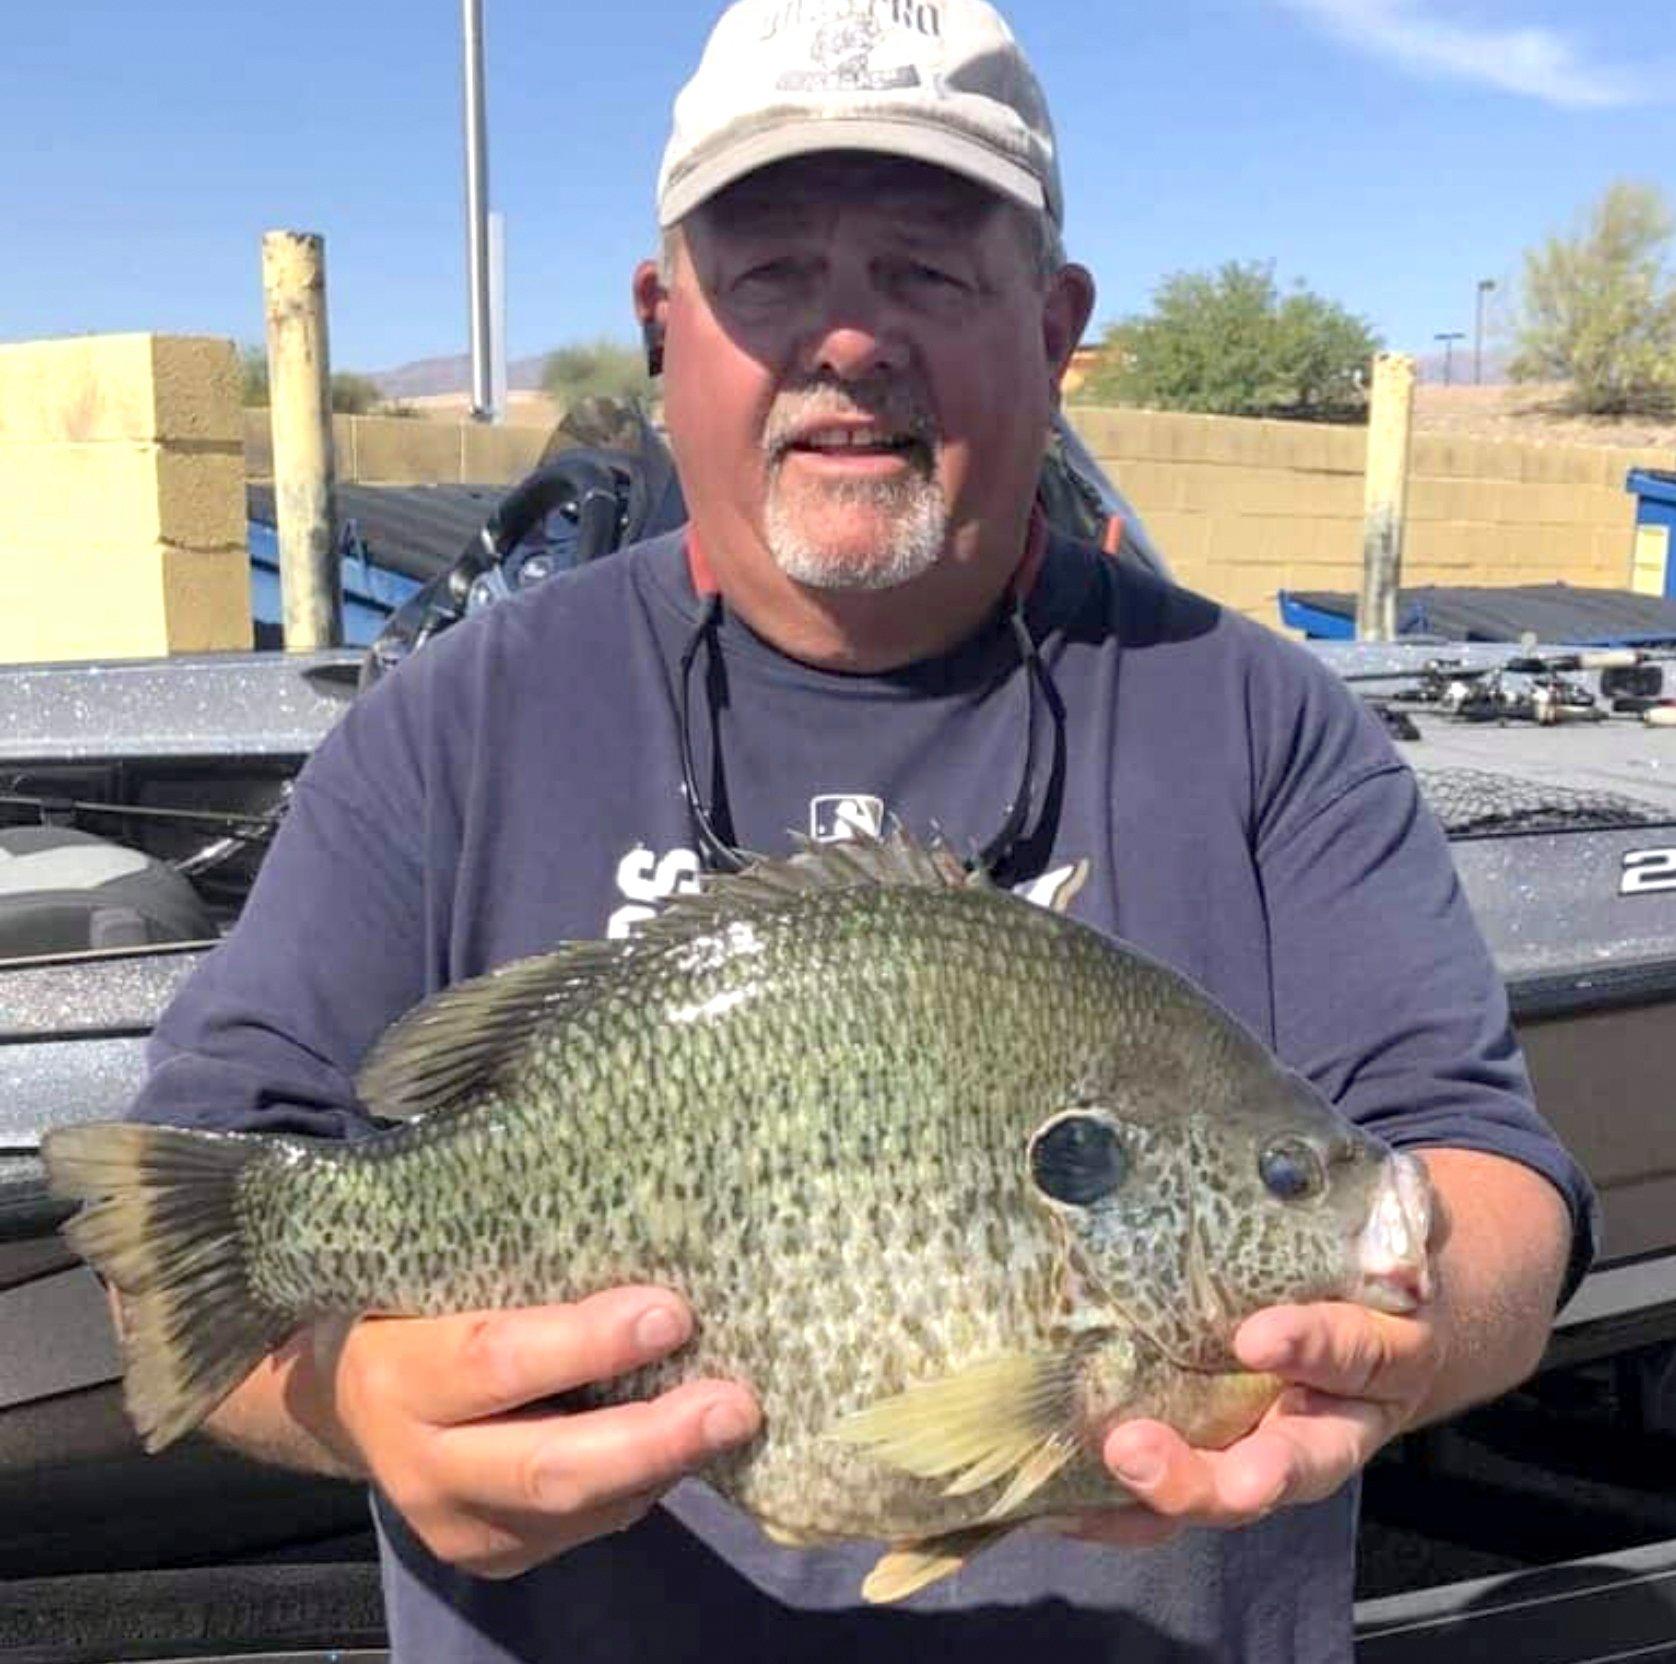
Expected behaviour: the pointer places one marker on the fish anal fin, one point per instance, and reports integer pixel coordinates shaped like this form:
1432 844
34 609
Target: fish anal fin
909 1567
789 1536
1012 1417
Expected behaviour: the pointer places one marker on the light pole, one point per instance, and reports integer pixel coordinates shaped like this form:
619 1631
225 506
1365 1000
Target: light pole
477 210
1449 338
1485 285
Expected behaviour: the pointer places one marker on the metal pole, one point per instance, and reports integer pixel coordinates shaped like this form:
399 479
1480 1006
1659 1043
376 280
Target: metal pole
1449 339
300 405
497 315
1485 285
477 206
1390 425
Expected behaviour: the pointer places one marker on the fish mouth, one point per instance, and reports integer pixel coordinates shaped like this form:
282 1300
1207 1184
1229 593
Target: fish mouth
1393 1273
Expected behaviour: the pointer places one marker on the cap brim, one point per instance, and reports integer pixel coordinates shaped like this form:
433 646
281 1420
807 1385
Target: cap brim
938 146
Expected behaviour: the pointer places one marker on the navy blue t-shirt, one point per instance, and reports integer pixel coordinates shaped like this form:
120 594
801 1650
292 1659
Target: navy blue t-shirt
518 784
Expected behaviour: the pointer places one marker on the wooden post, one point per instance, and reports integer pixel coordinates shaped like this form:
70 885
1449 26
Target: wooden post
1390 423
300 399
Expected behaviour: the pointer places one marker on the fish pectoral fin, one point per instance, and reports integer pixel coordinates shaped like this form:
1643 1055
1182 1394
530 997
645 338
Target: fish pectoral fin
1011 1416
909 1567
1225 1407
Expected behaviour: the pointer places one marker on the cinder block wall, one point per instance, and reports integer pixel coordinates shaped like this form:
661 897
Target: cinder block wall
391 450
1243 509
122 521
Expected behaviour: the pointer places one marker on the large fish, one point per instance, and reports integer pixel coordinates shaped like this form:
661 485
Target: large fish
954 1183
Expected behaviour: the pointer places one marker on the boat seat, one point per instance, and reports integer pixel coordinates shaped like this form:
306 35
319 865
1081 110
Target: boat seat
65 891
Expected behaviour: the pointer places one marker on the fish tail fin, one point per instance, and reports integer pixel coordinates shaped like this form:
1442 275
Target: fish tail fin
159 1222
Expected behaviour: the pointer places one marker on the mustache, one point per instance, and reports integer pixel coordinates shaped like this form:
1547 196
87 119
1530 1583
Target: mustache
894 404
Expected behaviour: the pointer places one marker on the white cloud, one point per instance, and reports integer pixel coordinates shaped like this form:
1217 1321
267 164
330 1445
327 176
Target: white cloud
1535 62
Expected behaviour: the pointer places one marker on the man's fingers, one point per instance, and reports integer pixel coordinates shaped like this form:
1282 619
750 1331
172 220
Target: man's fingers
1200 1487
448 1370
1346 1350
594 1462
1294 1457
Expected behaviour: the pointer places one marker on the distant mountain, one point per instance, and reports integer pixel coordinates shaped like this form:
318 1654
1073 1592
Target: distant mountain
451 375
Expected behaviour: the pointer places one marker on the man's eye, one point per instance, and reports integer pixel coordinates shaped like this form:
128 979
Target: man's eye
768 274
934 277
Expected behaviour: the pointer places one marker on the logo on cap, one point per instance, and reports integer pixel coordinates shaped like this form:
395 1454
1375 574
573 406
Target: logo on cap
841 51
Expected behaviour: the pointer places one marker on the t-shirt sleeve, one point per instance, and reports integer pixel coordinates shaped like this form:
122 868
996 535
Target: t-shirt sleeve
1385 993
328 950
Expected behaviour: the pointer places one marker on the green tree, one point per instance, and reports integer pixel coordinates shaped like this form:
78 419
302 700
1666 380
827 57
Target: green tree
352 394
253 375
1598 309
1229 343
598 368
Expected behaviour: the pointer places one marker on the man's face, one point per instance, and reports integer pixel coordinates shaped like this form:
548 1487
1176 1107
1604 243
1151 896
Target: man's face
860 357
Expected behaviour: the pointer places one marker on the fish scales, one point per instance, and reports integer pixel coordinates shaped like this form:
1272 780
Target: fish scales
829 1152
948 1180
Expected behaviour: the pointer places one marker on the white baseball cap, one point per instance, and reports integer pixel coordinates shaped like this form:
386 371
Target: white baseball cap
939 81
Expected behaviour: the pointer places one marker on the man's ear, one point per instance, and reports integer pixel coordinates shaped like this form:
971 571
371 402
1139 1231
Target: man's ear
651 307
1066 309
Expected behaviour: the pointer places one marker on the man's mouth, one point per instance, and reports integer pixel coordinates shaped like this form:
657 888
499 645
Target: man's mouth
835 440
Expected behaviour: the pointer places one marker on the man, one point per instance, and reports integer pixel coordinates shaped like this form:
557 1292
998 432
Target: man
863 317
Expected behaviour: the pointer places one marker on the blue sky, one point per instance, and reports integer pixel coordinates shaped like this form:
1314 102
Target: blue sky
1390 153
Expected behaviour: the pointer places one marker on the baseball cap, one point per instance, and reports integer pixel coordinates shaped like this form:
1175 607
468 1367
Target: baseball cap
938 81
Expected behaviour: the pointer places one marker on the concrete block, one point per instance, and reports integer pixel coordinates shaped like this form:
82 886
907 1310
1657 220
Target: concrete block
1235 440
206 600
119 387
1154 487
1204 487
1115 432
1335 539
392 450
501 455
119 495
1183 538
118 611
1338 495
1437 458
258 444
1451 499
1344 450
1494 459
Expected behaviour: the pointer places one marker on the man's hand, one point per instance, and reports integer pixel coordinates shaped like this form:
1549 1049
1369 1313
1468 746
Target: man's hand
446 1416
1499 1244
1359 1378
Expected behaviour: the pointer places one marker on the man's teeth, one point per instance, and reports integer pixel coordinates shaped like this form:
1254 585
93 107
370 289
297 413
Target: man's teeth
853 439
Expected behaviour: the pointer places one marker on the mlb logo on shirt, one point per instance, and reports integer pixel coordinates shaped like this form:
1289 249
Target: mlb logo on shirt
837 816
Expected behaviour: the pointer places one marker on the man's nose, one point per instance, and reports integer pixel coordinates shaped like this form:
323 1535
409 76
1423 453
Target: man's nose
855 335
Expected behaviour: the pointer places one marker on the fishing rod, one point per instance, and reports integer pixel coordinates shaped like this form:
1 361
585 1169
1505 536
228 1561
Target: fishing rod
1535 687
1526 663
259 823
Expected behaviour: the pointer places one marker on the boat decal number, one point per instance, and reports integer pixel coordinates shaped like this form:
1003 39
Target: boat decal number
1648 872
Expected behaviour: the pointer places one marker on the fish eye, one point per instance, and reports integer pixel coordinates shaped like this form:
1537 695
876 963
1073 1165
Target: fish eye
1291 1171
1078 1159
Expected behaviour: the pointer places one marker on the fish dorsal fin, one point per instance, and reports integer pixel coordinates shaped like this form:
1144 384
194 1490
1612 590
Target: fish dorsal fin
461 1039
441 1052
1013 1418
862 861
909 1567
